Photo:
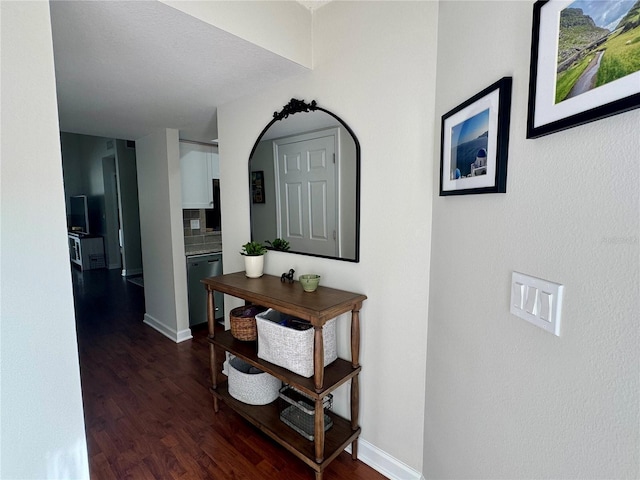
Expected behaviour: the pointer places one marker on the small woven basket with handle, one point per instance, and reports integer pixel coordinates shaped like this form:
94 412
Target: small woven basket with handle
243 322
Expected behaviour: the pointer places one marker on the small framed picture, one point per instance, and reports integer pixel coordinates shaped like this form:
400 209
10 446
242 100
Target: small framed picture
585 63
475 142
257 186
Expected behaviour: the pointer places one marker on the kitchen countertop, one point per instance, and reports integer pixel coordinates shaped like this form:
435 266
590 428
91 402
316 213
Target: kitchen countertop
201 249
203 243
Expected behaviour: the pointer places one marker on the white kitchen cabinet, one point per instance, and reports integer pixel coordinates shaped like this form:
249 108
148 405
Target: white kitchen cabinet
199 165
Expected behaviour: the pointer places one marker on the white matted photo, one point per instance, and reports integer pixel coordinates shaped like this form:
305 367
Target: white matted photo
475 141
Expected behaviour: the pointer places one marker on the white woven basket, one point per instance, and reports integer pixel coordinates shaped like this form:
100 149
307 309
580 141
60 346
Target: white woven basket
257 388
291 348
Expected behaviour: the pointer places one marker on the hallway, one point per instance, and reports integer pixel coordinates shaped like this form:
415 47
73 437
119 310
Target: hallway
148 412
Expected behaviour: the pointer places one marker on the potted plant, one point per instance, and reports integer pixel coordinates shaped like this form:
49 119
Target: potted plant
279 244
253 253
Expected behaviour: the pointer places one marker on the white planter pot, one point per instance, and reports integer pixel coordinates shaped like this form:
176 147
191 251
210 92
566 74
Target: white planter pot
254 266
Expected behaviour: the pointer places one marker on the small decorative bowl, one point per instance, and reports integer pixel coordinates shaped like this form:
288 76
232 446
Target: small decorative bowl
309 282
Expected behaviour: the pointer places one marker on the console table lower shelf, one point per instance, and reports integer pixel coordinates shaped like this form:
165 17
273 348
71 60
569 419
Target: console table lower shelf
267 419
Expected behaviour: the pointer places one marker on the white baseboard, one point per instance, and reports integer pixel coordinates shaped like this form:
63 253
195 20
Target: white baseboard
131 271
384 463
170 333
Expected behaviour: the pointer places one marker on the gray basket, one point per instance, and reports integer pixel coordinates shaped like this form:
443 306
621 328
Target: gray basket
250 384
291 348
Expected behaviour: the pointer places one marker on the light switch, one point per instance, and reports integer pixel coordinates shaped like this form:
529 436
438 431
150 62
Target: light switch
545 300
517 295
532 298
195 224
537 301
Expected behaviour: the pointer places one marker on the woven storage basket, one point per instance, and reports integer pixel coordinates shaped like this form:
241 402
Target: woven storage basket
243 322
250 384
291 348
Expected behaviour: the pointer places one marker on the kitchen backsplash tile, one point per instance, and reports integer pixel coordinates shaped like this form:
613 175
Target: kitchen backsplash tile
195 214
201 239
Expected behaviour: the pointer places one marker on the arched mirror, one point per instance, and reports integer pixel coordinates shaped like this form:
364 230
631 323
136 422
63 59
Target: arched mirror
304 183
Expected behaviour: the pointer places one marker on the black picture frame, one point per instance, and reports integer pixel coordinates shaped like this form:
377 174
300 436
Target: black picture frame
552 107
257 186
488 112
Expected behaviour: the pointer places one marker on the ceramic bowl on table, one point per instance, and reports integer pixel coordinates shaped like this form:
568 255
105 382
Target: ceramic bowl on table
309 281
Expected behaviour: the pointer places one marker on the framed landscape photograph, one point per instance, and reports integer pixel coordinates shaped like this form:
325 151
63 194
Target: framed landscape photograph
585 62
475 141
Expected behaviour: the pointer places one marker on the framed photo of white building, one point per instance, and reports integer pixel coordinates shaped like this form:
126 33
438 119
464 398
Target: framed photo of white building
475 143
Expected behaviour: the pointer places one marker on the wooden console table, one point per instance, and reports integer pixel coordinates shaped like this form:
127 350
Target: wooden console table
317 307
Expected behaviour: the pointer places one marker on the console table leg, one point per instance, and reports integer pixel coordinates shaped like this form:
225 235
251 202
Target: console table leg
213 364
214 374
355 413
211 308
355 381
318 358
319 430
355 402
355 337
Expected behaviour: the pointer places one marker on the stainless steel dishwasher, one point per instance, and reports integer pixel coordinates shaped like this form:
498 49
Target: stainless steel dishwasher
199 267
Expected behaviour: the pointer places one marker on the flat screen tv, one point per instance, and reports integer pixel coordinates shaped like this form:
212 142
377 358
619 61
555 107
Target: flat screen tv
78 214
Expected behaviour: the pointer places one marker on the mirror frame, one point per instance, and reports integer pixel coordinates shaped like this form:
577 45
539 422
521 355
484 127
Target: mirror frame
300 106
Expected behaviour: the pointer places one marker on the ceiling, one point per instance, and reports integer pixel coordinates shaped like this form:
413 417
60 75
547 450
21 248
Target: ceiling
125 69
313 4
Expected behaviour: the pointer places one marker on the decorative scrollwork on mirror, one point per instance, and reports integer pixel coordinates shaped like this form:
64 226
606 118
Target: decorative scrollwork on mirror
304 183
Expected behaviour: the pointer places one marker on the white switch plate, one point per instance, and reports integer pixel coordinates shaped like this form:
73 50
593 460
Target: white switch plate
195 224
537 301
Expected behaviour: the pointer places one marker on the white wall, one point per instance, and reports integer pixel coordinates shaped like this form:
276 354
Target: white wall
246 20
374 66
505 399
161 231
42 426
348 195
264 215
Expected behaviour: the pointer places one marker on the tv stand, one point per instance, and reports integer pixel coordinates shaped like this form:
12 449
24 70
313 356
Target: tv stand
86 251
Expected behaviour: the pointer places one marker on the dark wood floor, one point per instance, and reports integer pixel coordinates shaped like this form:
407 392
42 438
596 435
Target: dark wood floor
148 412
